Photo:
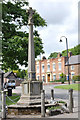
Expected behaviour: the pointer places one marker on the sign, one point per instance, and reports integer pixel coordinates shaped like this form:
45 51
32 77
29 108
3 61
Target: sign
67 77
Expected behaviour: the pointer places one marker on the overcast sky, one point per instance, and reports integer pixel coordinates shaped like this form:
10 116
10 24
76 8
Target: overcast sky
62 20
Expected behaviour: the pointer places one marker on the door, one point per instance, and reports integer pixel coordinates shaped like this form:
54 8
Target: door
48 77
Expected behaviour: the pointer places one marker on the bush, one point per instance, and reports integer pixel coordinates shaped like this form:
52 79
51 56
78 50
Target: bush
56 81
63 78
76 77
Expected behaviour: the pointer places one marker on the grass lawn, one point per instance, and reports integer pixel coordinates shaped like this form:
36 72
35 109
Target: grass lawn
73 86
14 98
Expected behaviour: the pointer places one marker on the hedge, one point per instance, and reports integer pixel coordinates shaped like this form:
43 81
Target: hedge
76 77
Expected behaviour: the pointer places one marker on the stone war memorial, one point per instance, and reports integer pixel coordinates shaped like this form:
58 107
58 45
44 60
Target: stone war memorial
32 100
31 88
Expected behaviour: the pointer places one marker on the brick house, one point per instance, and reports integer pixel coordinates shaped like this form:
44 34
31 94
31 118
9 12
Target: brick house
50 69
74 66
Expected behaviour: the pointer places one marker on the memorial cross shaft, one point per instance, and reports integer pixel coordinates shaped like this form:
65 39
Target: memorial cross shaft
31 52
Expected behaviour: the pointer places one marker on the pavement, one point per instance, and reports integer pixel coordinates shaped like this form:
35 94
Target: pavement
59 94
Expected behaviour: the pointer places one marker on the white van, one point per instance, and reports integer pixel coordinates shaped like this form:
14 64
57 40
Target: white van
11 83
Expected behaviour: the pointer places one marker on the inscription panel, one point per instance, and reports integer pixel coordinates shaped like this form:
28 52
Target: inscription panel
36 89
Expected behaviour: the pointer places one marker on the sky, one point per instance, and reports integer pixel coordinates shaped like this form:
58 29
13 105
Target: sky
62 20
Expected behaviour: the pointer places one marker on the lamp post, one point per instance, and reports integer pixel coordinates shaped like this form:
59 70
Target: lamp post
67 55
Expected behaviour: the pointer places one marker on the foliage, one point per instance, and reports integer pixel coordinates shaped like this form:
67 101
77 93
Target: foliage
56 81
14 97
61 102
53 55
76 77
15 40
75 51
20 73
71 86
63 77
54 108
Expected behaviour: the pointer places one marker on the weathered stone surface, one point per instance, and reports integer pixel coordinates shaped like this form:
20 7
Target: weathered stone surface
31 93
26 110
31 88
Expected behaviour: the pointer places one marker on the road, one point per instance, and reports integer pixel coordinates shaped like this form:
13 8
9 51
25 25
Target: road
58 93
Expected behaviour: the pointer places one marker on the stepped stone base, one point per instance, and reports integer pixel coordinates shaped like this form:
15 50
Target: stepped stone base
31 93
27 110
29 100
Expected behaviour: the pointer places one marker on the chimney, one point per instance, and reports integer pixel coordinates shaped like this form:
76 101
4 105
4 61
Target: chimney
69 54
43 58
59 55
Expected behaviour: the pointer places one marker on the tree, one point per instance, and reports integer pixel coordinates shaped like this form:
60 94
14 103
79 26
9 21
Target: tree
15 41
53 55
63 77
20 73
75 51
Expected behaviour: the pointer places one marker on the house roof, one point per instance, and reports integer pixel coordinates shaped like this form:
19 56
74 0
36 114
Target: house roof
74 60
8 74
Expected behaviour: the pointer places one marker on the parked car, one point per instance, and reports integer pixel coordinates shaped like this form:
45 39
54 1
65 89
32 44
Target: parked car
10 84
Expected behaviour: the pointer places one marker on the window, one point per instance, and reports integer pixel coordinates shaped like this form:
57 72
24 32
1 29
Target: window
42 67
37 77
54 77
59 75
72 74
48 67
72 67
38 69
59 64
54 67
43 78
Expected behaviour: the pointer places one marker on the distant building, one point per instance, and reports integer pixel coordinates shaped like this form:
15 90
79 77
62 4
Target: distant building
74 65
9 76
50 69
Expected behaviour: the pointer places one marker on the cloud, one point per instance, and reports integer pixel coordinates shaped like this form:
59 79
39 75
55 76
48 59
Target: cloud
52 12
62 19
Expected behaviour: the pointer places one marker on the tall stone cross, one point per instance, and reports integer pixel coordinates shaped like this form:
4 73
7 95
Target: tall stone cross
31 88
31 53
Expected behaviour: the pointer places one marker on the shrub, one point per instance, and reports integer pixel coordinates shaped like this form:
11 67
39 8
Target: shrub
63 77
57 81
76 77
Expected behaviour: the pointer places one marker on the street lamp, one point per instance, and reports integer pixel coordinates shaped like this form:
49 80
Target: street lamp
67 55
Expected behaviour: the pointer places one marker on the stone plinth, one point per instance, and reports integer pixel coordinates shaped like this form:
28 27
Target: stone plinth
23 110
31 93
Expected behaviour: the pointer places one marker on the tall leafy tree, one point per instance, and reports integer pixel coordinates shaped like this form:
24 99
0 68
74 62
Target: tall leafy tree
15 41
53 55
75 51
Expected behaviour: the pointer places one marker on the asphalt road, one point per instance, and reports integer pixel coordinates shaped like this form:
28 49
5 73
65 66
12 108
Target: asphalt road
58 93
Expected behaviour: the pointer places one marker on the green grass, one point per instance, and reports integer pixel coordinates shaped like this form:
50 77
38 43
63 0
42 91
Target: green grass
71 86
54 108
61 102
13 97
